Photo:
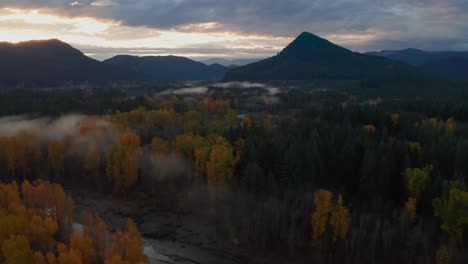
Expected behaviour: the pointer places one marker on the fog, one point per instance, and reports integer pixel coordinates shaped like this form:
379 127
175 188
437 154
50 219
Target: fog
186 91
163 168
200 90
45 127
247 85
82 133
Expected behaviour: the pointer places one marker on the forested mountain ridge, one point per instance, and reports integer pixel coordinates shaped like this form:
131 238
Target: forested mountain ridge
229 62
49 62
311 57
450 64
168 68
52 62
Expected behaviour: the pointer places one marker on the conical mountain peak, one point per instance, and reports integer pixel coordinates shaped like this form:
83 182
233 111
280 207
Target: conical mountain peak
312 57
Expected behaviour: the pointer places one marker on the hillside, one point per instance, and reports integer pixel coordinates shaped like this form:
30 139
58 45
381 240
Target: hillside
50 62
450 64
229 62
168 68
311 57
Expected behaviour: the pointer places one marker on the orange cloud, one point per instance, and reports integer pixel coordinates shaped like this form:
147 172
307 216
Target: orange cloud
21 25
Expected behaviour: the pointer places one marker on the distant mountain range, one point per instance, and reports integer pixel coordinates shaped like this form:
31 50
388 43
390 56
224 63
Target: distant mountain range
450 64
311 57
52 62
228 62
168 68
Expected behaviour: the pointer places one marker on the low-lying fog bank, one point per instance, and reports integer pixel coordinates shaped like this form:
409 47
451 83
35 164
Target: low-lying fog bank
193 88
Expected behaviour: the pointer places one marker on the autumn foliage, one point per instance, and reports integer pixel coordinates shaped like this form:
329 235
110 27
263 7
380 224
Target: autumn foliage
327 215
123 162
36 227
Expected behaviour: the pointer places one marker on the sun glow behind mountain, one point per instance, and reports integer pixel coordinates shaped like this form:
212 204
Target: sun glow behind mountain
18 25
21 25
234 29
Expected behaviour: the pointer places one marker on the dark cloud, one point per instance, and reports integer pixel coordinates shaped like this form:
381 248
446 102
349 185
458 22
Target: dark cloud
430 24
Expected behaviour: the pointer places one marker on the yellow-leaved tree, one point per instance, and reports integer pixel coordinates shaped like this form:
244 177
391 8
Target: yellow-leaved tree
123 162
339 220
452 208
323 207
16 250
336 217
416 181
220 166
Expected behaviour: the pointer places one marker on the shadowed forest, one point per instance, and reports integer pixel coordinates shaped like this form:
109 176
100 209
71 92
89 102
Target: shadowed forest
233 132
293 175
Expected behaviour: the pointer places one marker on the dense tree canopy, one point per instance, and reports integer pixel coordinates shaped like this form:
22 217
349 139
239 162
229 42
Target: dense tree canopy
365 177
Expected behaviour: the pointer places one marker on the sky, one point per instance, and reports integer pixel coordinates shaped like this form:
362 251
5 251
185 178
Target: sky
202 29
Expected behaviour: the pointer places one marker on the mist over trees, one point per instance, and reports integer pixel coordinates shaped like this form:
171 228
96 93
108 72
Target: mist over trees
326 176
318 154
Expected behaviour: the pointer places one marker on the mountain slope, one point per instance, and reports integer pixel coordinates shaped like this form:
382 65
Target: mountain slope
51 62
454 67
311 57
449 64
168 68
228 62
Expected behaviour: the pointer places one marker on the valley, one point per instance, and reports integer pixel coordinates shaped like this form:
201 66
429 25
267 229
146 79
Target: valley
318 154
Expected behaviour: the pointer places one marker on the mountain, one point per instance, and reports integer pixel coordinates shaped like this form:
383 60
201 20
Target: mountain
453 67
451 64
229 63
50 62
168 68
311 57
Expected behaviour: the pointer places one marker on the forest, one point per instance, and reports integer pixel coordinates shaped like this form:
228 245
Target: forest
303 174
233 132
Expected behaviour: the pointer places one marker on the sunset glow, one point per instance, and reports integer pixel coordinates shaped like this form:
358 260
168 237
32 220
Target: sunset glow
97 33
233 29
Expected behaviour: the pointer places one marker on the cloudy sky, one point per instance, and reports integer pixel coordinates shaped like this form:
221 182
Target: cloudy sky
234 28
